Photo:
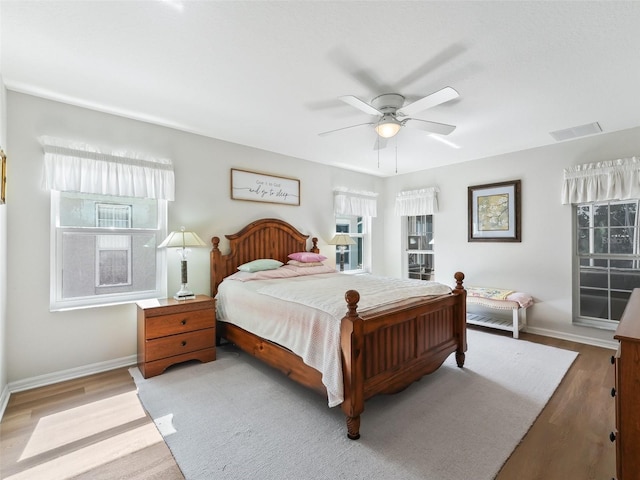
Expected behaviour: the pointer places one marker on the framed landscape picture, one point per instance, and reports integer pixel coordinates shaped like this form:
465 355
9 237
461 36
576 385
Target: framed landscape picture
494 212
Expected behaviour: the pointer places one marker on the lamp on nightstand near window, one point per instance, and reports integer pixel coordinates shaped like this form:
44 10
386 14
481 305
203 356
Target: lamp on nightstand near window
182 240
342 241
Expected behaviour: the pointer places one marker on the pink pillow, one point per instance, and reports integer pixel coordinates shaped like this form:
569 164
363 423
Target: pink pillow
307 257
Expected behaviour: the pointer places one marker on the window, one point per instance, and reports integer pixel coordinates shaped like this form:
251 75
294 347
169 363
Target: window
355 258
103 240
419 247
607 266
104 249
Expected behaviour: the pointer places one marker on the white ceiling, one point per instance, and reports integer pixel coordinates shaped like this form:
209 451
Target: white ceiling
268 74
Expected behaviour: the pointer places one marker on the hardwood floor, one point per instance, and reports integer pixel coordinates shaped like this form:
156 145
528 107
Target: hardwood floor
89 428
570 438
95 428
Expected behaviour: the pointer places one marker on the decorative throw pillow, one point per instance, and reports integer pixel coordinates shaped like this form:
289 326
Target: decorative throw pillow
306 257
260 264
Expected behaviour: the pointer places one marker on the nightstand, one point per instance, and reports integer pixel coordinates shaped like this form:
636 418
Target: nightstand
172 331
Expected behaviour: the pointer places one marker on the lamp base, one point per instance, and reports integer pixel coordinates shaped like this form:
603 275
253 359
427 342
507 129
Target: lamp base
184 293
184 297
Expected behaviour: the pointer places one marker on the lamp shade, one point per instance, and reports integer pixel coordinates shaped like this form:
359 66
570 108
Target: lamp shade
182 239
341 239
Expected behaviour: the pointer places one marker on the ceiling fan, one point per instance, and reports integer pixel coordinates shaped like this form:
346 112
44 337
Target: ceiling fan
393 114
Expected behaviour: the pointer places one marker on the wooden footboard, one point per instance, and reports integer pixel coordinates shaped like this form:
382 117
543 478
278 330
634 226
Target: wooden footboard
387 350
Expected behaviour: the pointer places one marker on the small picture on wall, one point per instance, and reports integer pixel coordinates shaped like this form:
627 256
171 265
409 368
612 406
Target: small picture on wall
3 179
494 212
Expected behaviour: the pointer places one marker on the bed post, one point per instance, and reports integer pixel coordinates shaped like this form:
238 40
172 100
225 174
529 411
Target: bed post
352 339
215 257
314 247
461 327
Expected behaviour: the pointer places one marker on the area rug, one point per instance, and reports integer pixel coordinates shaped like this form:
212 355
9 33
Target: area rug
236 418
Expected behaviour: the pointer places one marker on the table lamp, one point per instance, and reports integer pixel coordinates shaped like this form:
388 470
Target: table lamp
341 240
182 240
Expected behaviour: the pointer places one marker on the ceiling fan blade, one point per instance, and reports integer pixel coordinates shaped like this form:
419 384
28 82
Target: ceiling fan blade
381 143
360 105
441 96
431 127
344 128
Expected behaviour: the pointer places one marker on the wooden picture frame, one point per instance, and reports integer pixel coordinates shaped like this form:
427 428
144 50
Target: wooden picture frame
264 187
3 179
494 212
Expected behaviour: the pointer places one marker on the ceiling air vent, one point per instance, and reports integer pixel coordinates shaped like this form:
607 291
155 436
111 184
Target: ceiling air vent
575 132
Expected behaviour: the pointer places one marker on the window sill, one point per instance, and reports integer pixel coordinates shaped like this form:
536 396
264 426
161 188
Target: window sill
608 325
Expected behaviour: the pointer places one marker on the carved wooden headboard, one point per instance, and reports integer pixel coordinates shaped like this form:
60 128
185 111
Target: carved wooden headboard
266 238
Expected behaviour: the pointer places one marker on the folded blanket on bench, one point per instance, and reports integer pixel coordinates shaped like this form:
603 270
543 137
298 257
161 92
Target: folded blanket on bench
494 293
498 298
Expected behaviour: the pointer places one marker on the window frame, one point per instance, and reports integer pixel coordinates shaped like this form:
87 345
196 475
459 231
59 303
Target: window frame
608 323
58 303
407 251
365 237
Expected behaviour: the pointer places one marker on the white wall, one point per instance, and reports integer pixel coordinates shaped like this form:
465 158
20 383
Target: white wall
42 342
542 263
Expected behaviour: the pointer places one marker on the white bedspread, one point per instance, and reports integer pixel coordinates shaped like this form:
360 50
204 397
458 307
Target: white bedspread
308 321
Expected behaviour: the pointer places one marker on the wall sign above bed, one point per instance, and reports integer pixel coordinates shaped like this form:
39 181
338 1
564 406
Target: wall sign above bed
262 187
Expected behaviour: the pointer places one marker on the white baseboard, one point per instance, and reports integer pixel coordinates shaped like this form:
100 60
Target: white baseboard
4 400
61 376
612 344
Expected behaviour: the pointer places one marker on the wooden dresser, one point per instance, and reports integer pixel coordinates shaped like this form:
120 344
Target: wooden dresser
172 331
627 391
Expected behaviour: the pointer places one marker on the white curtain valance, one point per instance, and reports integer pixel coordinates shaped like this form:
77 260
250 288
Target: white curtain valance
597 182
417 202
353 202
77 167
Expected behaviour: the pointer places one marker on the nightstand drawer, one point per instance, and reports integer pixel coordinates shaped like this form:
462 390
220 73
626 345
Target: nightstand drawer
178 344
164 325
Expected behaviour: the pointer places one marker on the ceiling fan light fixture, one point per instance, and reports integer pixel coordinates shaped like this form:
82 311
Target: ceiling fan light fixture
388 126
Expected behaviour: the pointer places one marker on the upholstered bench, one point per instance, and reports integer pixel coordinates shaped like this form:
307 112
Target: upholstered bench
499 299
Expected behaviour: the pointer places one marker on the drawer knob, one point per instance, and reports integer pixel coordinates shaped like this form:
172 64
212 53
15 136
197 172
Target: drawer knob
183 322
613 360
184 344
613 392
612 437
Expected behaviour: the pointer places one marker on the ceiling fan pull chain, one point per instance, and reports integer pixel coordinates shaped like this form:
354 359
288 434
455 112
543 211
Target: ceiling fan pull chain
396 157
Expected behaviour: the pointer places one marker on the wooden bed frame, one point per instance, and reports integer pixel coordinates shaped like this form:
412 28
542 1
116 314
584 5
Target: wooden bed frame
383 351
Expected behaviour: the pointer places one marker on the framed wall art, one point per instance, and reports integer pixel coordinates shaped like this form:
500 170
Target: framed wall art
494 212
263 187
3 179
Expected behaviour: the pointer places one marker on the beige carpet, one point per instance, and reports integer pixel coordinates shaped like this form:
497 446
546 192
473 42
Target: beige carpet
235 418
